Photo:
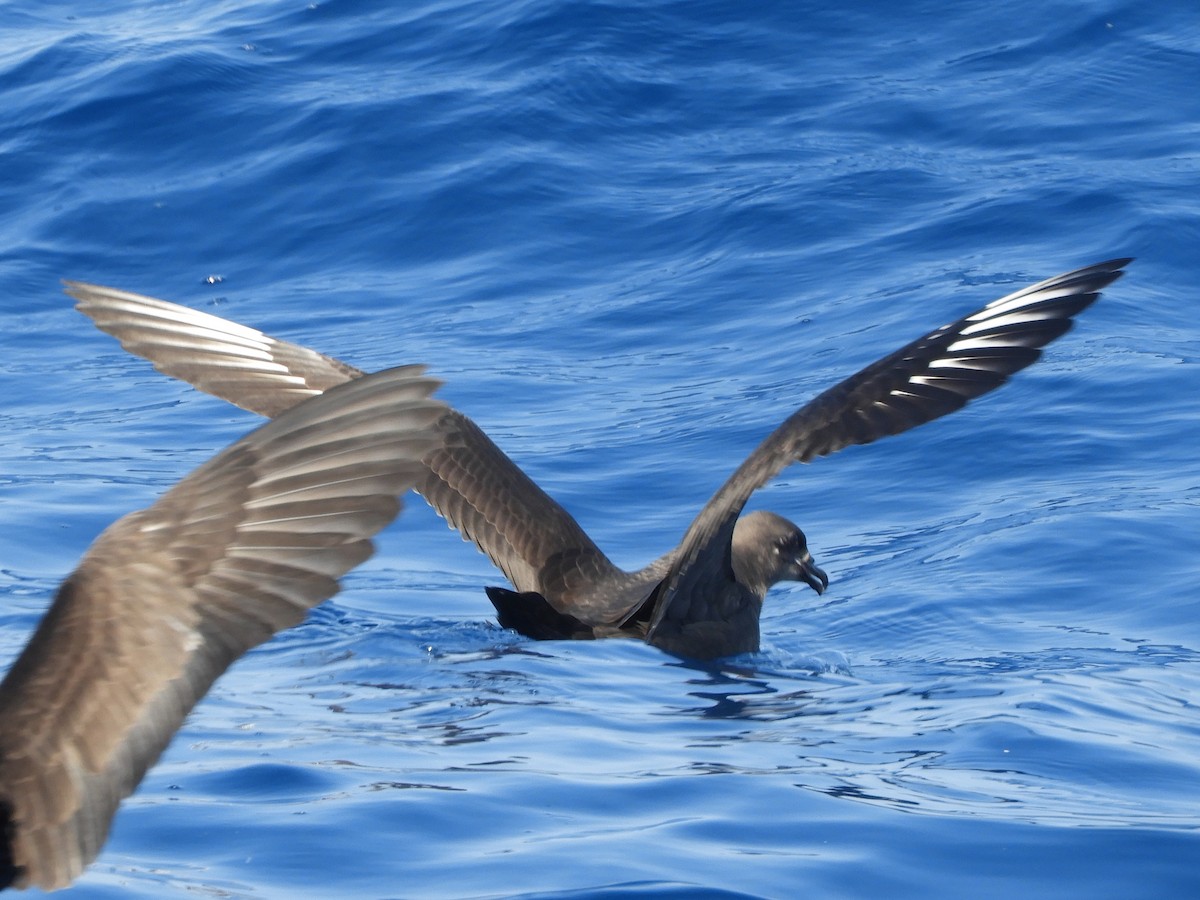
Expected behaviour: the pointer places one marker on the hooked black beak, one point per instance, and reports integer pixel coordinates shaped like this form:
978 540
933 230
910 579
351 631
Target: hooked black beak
812 575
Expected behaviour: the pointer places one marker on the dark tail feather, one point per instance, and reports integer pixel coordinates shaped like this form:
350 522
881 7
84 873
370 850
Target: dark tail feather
532 615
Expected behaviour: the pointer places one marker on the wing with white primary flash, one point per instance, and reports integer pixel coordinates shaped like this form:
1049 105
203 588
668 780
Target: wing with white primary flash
222 358
470 481
934 375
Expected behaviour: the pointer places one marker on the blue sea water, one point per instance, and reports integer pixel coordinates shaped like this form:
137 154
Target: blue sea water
632 238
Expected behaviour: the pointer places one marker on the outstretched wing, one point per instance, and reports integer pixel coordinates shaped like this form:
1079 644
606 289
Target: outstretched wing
471 483
167 598
934 375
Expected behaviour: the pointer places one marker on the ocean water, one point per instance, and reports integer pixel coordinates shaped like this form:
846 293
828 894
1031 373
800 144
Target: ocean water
632 238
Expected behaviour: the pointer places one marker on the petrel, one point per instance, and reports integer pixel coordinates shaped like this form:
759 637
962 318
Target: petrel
701 599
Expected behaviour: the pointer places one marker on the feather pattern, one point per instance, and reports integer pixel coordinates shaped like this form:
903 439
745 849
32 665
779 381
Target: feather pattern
168 597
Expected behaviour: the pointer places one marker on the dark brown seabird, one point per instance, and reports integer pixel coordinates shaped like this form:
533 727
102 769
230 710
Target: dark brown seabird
701 599
168 597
